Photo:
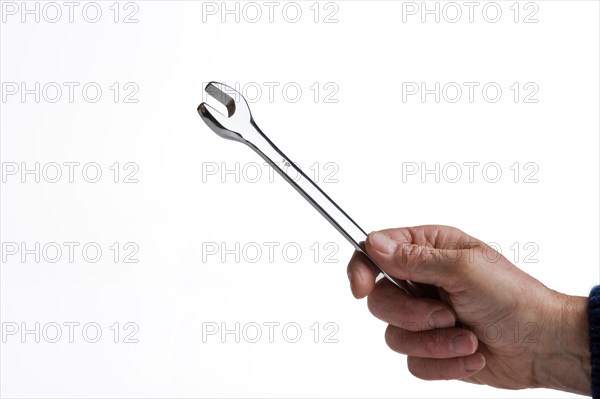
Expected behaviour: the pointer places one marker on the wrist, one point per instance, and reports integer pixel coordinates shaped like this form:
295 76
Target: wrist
564 363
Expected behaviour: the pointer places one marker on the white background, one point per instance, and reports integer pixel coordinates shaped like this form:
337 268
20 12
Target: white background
175 212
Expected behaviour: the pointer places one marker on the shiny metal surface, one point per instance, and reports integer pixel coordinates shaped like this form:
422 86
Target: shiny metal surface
237 124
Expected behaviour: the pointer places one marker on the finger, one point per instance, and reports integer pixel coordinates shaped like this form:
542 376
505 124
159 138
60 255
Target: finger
435 344
394 306
399 256
435 236
446 369
362 275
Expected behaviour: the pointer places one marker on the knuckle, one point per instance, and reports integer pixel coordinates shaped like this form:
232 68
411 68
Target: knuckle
412 256
446 372
380 298
407 315
431 345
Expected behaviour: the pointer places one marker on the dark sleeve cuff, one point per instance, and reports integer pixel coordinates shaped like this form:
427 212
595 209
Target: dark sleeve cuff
594 317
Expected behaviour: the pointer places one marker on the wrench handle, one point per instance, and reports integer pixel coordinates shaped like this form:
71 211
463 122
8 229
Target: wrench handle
320 201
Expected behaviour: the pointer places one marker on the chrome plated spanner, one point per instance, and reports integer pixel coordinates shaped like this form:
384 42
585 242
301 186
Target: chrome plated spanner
238 125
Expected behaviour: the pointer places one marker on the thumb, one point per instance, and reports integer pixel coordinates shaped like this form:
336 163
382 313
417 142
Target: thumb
421 263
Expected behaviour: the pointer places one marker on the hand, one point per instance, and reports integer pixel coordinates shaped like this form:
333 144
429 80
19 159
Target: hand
516 333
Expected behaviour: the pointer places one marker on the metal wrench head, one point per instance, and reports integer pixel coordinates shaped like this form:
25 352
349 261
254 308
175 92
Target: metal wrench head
233 125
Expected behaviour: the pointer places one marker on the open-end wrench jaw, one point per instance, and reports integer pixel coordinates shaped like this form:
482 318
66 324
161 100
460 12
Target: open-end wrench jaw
234 125
237 124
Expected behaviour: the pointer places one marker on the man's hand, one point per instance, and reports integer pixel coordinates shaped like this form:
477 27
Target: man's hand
516 333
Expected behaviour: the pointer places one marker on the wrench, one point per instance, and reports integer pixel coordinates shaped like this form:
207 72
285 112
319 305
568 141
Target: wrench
238 125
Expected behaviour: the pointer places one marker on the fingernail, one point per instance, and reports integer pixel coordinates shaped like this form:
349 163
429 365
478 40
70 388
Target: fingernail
473 363
441 319
382 242
462 345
